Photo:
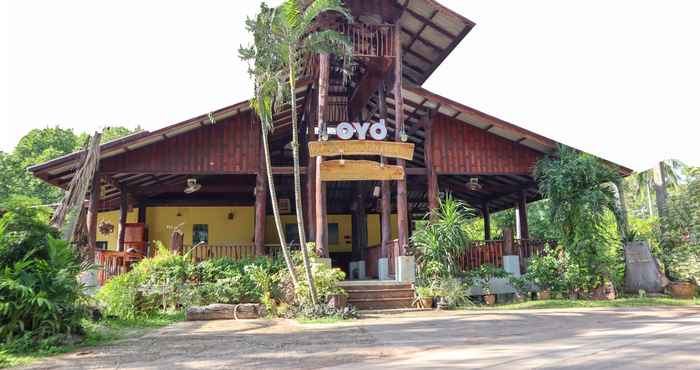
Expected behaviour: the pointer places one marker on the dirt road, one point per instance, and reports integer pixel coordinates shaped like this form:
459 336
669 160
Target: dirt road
643 338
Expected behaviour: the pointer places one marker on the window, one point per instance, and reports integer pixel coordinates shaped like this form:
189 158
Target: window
200 233
101 245
333 234
291 232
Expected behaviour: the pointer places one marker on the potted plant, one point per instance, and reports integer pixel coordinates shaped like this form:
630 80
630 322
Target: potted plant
424 297
520 286
544 272
684 271
481 278
489 297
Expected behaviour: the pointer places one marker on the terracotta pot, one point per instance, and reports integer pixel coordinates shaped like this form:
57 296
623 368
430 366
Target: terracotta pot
544 295
682 289
604 292
520 298
338 301
490 299
426 302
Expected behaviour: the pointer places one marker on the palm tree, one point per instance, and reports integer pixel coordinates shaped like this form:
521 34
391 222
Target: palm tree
660 178
294 38
262 67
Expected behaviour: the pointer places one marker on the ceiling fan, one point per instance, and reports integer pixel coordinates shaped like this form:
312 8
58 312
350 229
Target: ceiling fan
192 186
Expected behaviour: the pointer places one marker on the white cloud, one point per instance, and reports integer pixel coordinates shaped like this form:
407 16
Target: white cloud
618 79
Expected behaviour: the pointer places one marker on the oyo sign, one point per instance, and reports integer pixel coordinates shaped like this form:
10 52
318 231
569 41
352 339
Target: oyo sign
346 130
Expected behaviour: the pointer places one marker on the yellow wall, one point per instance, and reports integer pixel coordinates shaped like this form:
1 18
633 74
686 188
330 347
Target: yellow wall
113 218
240 230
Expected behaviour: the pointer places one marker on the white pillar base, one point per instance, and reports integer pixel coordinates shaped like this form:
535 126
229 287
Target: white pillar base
406 269
512 265
383 268
357 270
89 280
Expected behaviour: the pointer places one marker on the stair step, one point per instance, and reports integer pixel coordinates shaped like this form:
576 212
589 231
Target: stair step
378 294
380 304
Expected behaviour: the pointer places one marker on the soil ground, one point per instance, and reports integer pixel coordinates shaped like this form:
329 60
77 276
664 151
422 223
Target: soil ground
617 338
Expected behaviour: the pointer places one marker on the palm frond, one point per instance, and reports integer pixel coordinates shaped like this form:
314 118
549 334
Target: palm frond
318 7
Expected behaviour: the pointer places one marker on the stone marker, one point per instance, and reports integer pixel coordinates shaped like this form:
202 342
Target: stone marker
220 311
642 270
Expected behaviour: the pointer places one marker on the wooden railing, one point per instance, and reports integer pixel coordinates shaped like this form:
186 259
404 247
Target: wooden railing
370 40
113 263
208 251
491 252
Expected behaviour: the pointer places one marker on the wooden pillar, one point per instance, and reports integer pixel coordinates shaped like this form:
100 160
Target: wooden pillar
320 196
260 207
359 222
123 211
92 218
401 193
522 212
385 205
310 188
508 249
142 213
486 213
433 191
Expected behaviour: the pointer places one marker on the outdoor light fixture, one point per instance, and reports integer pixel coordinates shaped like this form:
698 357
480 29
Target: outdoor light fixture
231 215
376 192
473 184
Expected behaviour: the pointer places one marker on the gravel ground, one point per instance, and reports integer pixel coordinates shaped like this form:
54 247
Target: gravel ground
630 338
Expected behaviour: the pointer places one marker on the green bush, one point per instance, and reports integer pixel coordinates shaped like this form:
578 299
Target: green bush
40 295
172 282
325 278
546 269
24 228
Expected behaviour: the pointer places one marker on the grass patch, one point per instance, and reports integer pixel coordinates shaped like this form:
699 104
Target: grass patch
322 320
567 303
22 352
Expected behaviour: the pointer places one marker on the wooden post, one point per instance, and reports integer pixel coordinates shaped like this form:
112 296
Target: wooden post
92 218
359 222
142 213
385 190
310 184
401 196
260 207
433 192
321 216
522 211
123 210
508 249
487 220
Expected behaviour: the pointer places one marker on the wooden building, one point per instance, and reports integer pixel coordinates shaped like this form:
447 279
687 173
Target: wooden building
138 195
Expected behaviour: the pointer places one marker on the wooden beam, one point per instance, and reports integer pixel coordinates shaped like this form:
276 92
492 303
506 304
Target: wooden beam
358 170
390 149
375 73
92 218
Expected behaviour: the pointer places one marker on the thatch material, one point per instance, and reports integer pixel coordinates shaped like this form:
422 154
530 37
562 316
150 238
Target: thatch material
67 216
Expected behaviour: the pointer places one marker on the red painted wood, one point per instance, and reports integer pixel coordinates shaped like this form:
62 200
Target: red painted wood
229 146
458 147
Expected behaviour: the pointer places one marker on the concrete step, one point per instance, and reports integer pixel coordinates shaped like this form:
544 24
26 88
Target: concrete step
381 293
381 303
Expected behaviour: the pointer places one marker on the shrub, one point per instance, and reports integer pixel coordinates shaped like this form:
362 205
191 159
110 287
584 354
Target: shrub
40 295
545 270
326 280
322 311
24 228
481 277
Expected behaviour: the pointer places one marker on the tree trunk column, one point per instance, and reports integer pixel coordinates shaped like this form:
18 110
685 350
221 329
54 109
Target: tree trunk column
522 216
92 218
385 205
486 213
260 208
321 216
401 196
123 211
433 192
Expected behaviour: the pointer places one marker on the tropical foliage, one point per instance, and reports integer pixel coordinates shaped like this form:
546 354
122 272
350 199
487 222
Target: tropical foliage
439 243
583 209
39 293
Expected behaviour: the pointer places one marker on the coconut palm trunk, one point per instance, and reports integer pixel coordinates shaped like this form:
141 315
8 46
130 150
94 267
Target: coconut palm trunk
297 179
275 208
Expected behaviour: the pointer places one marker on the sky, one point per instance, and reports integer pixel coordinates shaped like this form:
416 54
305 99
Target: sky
618 79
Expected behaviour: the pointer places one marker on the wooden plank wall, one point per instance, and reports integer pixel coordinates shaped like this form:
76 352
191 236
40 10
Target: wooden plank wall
229 146
460 148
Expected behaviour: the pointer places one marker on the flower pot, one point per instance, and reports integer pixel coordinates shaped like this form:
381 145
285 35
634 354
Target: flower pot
603 292
682 290
425 302
544 295
519 298
338 301
490 299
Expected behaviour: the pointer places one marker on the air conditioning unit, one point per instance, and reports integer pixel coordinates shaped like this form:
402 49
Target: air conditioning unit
285 205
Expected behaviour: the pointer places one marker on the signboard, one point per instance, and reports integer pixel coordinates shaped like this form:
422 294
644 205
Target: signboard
346 130
359 170
390 149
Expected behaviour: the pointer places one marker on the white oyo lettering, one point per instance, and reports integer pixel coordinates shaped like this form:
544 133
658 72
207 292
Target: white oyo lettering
361 129
344 130
378 130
